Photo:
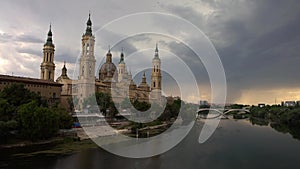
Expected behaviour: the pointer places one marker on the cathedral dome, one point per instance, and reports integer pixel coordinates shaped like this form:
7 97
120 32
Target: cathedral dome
107 71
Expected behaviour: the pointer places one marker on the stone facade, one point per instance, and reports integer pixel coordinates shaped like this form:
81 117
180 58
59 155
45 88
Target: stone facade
112 79
48 90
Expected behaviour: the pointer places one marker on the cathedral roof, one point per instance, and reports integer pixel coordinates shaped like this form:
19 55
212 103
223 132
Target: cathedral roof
144 84
64 75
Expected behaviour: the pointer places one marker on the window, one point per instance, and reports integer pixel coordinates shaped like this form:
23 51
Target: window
87 49
153 84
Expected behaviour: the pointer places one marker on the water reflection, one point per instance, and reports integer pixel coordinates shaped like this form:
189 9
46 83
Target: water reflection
235 144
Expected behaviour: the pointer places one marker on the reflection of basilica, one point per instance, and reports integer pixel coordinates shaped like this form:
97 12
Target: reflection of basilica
114 80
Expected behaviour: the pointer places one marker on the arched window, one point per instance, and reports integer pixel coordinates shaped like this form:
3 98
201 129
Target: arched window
153 84
87 48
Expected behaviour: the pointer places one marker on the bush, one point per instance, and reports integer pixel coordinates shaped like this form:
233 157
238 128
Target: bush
6 128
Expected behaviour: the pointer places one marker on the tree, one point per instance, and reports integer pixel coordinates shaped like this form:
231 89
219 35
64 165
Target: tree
17 94
6 128
65 120
6 110
37 122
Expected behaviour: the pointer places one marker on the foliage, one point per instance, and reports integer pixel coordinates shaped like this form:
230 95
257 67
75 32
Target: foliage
6 128
25 112
37 122
282 119
65 120
6 110
103 100
141 106
17 94
236 106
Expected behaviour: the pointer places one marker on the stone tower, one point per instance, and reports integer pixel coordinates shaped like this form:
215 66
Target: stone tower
48 66
156 76
122 71
86 78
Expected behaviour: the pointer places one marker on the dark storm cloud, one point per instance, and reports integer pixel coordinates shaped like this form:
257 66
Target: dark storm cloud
258 41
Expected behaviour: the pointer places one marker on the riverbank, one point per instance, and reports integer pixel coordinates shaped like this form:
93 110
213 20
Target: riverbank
52 147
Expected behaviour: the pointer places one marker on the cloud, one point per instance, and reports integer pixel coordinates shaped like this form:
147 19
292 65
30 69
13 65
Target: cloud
258 41
4 37
28 38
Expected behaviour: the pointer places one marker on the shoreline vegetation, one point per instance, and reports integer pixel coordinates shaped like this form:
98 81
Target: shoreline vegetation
27 121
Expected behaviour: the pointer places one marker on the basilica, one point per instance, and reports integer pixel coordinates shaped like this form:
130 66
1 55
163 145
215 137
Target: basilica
114 80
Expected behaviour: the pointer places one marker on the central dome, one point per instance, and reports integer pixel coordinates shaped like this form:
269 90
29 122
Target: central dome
108 69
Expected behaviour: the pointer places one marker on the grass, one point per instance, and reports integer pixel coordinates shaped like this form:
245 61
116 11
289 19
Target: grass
66 146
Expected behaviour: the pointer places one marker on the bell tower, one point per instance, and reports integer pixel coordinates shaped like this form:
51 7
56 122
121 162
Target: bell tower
156 76
48 66
122 72
86 77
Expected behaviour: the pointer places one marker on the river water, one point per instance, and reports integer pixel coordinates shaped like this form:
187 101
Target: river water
235 144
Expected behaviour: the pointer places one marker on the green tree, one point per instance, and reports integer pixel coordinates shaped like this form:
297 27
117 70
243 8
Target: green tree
65 119
6 110
6 128
17 94
37 122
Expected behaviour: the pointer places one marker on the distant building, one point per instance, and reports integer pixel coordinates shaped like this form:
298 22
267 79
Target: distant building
203 103
261 105
48 90
288 103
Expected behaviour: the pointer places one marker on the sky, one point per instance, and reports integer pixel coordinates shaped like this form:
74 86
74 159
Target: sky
258 42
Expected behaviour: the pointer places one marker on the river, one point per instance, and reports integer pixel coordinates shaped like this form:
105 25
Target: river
235 144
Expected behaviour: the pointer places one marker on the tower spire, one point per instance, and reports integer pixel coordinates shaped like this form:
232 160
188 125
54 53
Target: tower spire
122 57
49 38
156 51
88 30
64 70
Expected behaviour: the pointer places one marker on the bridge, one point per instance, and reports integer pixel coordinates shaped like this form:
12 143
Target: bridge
206 113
